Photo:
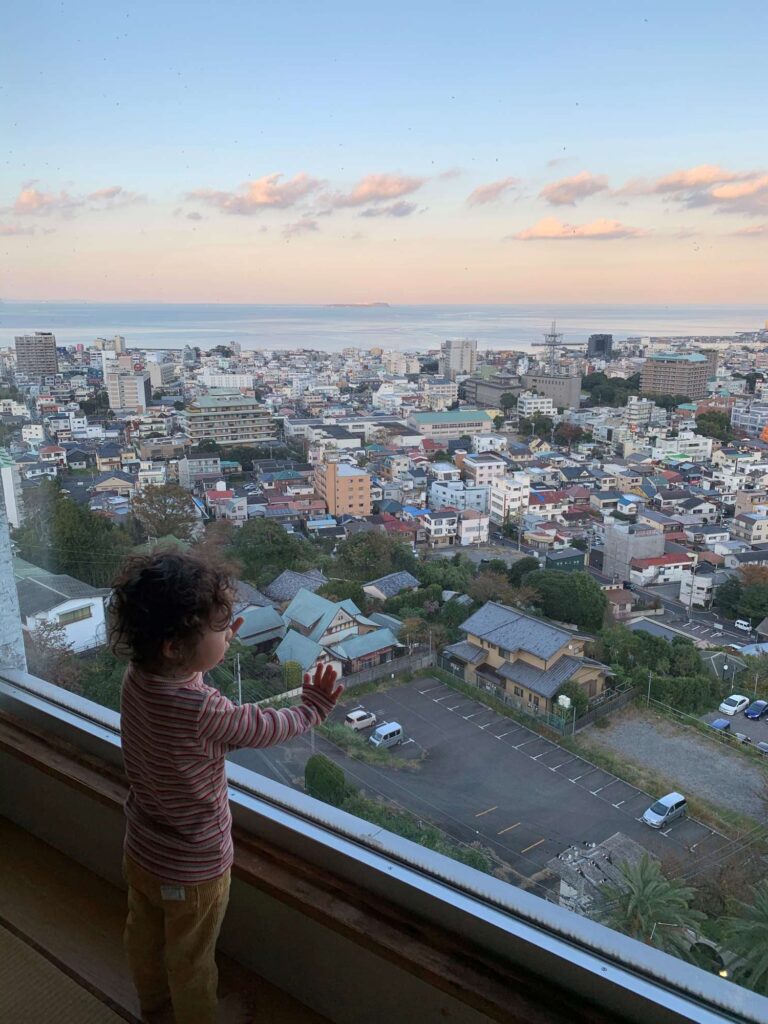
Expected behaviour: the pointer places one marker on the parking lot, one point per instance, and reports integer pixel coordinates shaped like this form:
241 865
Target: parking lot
485 778
755 730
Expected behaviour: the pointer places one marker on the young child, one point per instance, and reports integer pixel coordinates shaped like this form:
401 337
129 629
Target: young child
170 614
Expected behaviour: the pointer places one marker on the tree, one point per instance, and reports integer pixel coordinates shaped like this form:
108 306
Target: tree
714 424
649 907
490 586
508 401
264 549
498 422
728 596
50 657
325 781
292 675
208 445
343 590
367 556
747 936
453 574
569 597
578 697
521 568
166 510
568 434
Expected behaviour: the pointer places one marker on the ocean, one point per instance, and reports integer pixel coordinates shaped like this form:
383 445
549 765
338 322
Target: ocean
158 326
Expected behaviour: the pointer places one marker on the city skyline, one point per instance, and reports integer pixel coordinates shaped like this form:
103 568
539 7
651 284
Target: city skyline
345 155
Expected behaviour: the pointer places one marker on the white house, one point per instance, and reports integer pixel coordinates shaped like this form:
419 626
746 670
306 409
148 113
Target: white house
473 527
63 601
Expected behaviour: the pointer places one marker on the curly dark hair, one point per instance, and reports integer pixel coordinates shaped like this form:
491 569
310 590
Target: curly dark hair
167 595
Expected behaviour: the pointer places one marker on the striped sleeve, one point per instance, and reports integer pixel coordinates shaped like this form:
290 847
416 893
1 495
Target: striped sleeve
224 726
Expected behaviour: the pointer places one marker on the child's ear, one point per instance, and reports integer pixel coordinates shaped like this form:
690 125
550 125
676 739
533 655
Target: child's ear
171 651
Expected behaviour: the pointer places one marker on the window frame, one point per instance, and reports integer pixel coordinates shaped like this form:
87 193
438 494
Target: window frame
621 975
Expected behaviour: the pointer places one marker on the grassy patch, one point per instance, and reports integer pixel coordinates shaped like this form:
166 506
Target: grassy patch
357 746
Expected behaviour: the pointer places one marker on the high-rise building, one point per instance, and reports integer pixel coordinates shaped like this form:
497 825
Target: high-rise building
346 490
600 346
676 373
36 354
458 356
128 391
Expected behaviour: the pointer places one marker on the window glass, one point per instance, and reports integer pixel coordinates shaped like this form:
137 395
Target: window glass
377 263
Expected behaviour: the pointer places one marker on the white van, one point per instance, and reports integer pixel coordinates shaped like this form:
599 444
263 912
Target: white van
387 735
743 625
665 811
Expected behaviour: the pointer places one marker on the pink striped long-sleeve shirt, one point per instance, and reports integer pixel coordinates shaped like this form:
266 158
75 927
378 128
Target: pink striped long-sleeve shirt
175 737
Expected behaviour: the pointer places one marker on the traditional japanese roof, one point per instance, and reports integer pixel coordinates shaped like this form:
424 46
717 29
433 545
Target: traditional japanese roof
513 631
394 583
287 585
359 646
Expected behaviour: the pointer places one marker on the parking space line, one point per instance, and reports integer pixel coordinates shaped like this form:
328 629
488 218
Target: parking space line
518 745
576 779
508 829
431 688
467 717
538 843
535 757
501 737
486 725
454 707
487 811
600 790
444 697
620 803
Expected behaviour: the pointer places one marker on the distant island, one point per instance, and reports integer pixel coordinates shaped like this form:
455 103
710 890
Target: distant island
356 305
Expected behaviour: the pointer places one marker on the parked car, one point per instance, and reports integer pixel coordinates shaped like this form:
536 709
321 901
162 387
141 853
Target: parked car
733 704
762 747
387 735
743 625
722 724
359 719
757 709
665 811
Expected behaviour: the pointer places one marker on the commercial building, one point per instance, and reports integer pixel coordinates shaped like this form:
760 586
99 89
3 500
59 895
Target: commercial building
600 346
162 374
483 468
346 490
751 417
488 393
458 356
228 420
450 426
675 373
128 391
565 391
36 354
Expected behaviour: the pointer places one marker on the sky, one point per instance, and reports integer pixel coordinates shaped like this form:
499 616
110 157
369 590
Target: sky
403 152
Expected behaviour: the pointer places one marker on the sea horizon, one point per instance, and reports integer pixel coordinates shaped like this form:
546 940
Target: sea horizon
333 326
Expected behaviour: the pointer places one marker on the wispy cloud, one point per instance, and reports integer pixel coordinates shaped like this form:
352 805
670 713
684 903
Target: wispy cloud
399 209
744 192
12 230
552 229
31 201
300 227
755 231
376 188
568 191
254 196
491 192
194 215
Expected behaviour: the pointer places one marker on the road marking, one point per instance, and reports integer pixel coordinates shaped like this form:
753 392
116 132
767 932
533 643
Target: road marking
431 688
538 843
535 757
406 742
667 832
518 745
467 717
487 811
486 725
454 707
508 829
576 779
601 788
620 803
501 737
445 697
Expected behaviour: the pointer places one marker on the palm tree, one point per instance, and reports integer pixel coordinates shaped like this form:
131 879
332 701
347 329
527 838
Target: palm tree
649 907
747 937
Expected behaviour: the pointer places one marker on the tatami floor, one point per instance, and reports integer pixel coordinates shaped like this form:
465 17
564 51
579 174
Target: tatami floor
61 956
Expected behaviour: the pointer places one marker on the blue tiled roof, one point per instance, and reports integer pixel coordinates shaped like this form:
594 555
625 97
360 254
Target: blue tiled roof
295 647
261 624
359 646
513 631
392 584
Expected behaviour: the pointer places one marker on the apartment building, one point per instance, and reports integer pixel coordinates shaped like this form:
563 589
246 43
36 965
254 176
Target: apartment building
509 497
751 527
473 527
346 490
36 354
162 374
483 469
458 356
228 419
441 527
489 443
127 391
528 404
675 373
751 417
458 494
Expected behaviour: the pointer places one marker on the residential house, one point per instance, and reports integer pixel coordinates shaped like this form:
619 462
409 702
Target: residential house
261 627
441 527
473 527
750 527
60 600
549 505
668 568
287 585
390 586
523 658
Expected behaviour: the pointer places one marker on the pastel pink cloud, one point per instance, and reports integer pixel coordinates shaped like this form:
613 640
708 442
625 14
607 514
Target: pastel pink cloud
552 229
33 202
754 231
491 192
300 227
567 191
268 192
12 230
377 188
695 178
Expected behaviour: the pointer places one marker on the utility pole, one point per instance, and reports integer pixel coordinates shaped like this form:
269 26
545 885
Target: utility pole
239 680
648 698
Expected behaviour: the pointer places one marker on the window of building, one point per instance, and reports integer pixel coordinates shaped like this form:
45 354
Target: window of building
75 615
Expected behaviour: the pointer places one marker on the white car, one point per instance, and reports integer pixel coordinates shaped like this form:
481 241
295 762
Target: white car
734 704
359 719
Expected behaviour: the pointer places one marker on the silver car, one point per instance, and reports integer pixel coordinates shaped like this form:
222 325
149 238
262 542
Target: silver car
666 810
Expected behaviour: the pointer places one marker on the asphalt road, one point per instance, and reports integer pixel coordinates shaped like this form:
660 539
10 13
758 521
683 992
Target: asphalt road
487 778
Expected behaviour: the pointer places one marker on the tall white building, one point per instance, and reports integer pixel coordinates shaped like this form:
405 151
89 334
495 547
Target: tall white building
509 497
129 391
528 404
10 479
458 356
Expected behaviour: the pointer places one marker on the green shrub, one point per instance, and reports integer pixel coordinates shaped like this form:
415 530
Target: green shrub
325 781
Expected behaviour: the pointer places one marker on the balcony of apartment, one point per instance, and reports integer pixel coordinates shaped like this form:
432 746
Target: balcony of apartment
330 919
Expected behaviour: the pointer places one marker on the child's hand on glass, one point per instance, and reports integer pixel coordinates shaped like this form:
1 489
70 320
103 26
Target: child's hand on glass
323 682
